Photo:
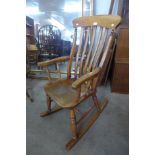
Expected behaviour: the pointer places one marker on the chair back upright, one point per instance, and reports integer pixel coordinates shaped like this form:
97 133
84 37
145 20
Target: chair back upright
95 39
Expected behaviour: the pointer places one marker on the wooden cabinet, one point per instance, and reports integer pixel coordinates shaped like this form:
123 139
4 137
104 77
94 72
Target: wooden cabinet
31 49
120 69
120 78
30 39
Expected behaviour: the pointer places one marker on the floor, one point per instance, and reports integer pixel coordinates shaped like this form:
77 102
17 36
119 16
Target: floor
48 136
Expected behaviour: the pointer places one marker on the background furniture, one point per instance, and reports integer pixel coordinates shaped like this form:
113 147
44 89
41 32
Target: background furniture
32 54
120 75
31 48
30 38
66 47
49 42
120 78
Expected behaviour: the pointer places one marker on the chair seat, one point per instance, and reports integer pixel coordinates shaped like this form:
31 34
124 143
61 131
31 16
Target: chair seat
62 93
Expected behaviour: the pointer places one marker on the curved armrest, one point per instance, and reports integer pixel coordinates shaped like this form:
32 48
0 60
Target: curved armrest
85 78
49 62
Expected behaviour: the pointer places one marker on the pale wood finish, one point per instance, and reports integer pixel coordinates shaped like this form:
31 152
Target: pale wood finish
73 51
84 114
96 102
104 34
73 123
107 21
84 52
53 61
48 74
92 34
72 141
86 77
46 113
89 60
79 51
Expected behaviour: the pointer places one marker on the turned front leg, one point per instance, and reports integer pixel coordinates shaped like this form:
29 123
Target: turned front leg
48 103
73 123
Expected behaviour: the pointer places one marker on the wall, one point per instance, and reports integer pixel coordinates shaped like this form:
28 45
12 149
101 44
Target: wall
102 7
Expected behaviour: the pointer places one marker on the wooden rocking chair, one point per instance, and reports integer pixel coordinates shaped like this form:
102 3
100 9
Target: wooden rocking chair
89 61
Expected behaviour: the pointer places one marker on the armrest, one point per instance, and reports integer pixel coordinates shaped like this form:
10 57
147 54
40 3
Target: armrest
85 78
49 62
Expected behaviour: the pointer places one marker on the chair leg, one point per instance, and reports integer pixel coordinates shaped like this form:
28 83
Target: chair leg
28 95
50 111
48 102
73 124
84 129
96 103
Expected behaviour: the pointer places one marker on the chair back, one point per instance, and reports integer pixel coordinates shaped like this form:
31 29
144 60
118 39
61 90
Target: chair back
90 49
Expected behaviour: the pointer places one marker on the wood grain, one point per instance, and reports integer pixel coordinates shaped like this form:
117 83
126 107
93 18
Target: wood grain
107 21
90 59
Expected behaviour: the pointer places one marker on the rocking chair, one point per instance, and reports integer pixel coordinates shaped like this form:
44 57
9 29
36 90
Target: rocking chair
86 67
